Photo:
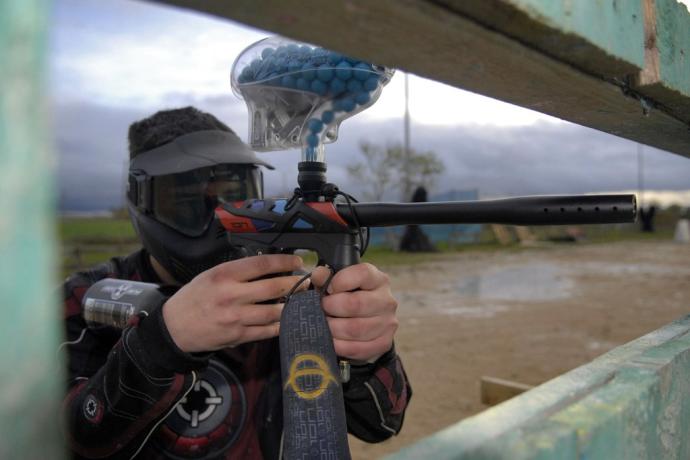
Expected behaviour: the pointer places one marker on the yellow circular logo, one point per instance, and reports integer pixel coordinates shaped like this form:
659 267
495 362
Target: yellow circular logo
320 369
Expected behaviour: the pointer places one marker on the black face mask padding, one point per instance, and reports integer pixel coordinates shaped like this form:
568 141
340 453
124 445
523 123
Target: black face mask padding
182 256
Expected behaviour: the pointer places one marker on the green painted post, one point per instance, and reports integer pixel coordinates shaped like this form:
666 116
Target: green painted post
614 27
669 83
673 41
31 377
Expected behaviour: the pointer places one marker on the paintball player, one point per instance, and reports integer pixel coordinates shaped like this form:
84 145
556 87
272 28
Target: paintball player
199 377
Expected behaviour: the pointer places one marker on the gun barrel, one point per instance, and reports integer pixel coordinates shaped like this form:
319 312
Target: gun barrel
531 210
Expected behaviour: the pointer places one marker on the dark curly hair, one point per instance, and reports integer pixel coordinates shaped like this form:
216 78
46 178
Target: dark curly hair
166 125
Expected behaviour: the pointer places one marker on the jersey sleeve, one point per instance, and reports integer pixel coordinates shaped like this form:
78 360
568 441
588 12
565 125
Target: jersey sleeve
122 384
376 398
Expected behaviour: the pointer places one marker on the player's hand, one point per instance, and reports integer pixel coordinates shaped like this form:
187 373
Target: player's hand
360 311
220 307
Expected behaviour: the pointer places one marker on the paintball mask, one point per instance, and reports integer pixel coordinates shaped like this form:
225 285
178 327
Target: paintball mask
174 189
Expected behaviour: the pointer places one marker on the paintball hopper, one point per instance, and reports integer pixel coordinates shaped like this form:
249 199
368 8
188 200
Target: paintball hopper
298 94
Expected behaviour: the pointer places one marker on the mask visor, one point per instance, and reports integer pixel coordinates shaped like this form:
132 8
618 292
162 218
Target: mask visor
186 201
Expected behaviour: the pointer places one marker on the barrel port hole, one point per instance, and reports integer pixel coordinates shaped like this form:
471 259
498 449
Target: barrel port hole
562 209
546 209
596 209
579 209
615 208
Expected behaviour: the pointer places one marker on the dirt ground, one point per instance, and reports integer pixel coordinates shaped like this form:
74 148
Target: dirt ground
524 315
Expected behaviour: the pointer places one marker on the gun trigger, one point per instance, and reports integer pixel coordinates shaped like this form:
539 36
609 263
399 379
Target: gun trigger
344 366
244 252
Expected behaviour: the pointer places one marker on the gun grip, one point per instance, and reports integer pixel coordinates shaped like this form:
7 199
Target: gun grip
340 255
315 426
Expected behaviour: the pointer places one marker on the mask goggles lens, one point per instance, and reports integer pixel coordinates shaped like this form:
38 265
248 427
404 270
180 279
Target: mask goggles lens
186 201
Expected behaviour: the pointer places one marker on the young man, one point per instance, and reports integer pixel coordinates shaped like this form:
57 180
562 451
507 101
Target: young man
199 377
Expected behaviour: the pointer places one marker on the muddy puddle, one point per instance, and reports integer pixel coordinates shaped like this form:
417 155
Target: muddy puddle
496 288
522 283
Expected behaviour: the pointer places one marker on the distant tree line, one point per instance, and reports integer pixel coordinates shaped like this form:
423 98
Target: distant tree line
383 169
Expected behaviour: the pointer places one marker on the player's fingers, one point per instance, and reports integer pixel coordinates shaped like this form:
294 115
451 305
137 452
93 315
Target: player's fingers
256 333
361 276
363 351
260 315
359 304
362 329
320 275
268 289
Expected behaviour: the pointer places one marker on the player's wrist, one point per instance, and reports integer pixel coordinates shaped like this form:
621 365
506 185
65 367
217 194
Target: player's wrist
174 328
160 346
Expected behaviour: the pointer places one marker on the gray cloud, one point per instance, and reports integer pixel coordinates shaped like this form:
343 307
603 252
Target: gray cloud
544 158
91 146
90 139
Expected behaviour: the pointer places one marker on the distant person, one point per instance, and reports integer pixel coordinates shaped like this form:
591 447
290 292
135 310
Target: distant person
414 239
682 231
647 219
199 377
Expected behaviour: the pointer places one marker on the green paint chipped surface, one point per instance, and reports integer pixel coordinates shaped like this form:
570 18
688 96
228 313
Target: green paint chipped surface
673 42
616 27
630 403
30 375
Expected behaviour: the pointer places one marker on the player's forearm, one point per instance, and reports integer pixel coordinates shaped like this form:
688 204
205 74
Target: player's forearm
376 399
115 410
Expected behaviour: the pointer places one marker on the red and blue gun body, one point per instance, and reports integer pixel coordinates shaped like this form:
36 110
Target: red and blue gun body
333 230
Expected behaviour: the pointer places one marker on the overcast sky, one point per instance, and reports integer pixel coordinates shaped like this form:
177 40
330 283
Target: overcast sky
115 61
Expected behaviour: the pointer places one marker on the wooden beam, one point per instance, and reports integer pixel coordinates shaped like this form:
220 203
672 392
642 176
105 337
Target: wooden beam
666 76
502 234
629 403
494 391
538 54
601 38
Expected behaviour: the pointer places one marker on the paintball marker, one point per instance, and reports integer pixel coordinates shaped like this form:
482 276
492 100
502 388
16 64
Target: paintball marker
297 96
334 230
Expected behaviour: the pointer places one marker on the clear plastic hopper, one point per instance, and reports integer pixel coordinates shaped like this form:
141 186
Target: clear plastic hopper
298 94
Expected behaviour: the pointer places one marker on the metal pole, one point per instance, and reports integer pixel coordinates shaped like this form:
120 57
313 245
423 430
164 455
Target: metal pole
640 175
407 185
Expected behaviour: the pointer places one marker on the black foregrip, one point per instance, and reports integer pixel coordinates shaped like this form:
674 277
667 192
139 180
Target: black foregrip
536 210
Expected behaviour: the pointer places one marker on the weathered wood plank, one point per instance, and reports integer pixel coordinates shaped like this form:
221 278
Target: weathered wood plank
629 403
493 391
502 234
666 77
562 67
601 38
31 382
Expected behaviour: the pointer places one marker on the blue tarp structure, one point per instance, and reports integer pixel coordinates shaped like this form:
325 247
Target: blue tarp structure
451 234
